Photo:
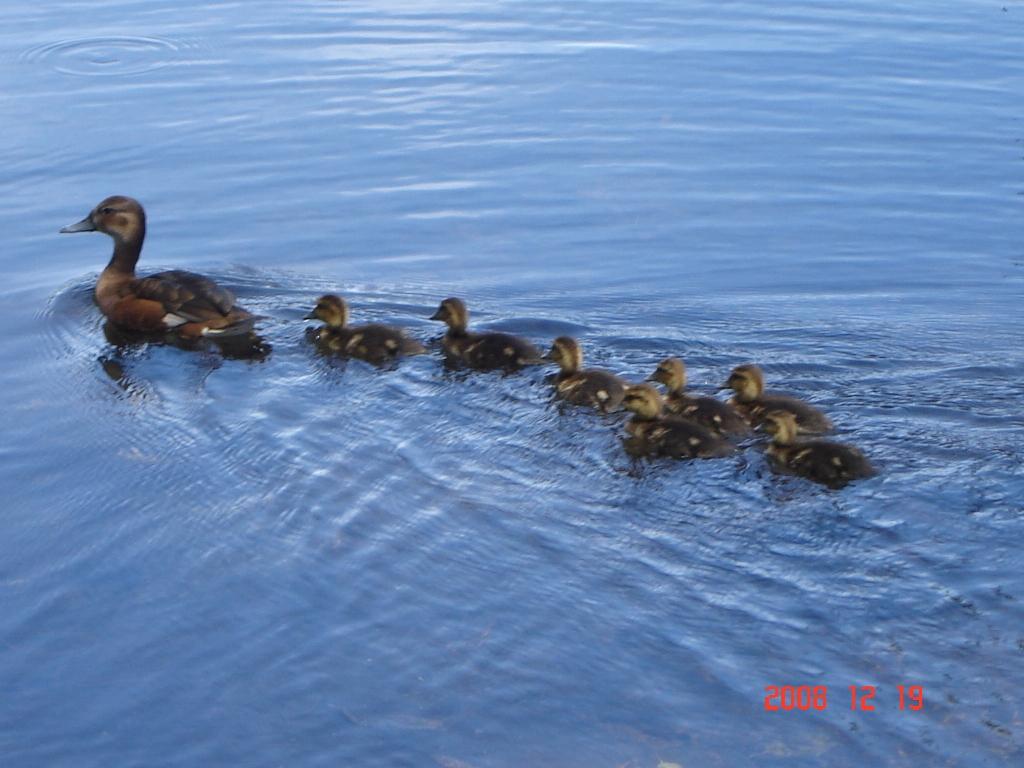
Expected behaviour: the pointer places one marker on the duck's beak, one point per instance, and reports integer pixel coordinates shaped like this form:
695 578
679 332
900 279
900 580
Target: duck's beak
85 225
311 315
439 315
652 377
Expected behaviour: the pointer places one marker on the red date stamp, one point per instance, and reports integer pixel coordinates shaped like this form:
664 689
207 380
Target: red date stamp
787 698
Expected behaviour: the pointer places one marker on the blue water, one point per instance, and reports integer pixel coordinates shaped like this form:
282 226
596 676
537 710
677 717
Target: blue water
302 562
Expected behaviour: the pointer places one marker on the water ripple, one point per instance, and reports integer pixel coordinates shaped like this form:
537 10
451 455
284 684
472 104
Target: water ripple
110 56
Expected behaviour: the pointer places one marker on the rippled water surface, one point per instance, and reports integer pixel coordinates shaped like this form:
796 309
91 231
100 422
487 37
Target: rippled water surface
298 561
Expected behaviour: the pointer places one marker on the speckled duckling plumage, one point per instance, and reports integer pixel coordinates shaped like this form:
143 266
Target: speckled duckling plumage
575 384
823 461
663 435
751 400
183 303
374 343
484 351
721 418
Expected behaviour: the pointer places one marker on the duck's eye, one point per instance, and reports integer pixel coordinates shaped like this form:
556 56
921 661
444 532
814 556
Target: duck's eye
106 210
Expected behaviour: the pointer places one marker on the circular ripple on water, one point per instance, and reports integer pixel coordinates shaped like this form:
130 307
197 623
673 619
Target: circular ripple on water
109 56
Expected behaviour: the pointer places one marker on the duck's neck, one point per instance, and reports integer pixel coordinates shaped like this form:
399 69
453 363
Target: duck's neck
126 253
568 368
783 438
746 395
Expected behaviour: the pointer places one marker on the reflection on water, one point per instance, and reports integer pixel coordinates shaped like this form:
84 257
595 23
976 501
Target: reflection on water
244 346
283 558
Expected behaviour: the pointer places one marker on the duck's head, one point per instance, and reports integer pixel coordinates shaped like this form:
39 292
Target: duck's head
672 373
453 312
567 353
746 381
332 310
120 217
781 425
643 400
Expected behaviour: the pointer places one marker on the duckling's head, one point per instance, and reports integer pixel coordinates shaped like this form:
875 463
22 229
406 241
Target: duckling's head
643 400
781 425
747 382
332 310
567 353
453 312
120 217
672 373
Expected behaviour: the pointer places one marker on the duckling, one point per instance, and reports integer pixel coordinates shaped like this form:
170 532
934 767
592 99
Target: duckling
823 461
747 381
485 351
719 417
668 435
188 304
377 344
590 386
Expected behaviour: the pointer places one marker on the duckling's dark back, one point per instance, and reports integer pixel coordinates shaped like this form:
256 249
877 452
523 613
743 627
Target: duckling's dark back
823 461
808 418
594 387
493 350
720 418
679 438
374 343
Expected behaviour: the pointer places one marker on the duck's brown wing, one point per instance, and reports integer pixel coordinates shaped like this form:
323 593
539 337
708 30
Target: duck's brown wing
192 296
192 302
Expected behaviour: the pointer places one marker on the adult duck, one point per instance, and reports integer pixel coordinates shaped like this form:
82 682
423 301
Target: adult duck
181 302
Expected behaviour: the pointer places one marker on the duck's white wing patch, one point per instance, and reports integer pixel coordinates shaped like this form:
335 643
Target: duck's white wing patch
172 320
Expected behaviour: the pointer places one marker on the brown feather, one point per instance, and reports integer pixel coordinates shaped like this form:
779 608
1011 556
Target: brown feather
138 314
